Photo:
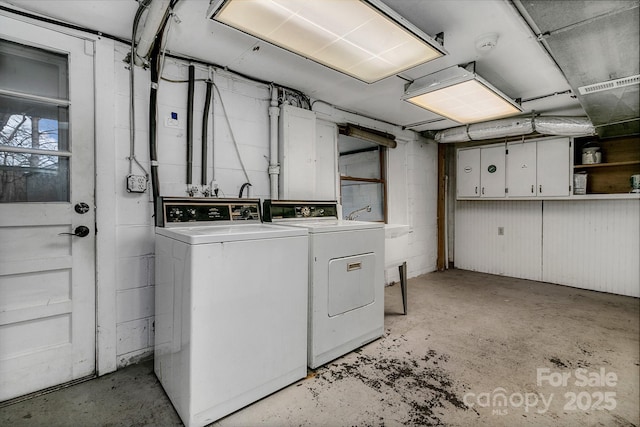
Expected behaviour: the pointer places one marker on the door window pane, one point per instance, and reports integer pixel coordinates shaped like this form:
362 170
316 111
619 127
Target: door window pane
30 129
31 124
33 178
34 71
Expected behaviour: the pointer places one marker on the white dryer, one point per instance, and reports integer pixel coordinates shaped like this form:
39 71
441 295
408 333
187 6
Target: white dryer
346 277
231 306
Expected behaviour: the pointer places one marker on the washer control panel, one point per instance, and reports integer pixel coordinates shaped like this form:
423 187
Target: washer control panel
192 210
294 209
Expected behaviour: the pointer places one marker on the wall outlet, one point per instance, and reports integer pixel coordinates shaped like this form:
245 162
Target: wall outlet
172 121
136 183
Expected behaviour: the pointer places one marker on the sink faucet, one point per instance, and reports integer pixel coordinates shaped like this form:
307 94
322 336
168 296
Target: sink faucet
353 215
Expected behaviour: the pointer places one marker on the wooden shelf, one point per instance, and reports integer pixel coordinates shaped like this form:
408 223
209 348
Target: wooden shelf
621 159
605 165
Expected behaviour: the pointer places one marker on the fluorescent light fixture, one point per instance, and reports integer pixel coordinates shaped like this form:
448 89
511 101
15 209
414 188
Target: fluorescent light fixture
380 138
362 38
460 95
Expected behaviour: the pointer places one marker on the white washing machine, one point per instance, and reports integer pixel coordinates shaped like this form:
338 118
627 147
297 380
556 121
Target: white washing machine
346 277
231 306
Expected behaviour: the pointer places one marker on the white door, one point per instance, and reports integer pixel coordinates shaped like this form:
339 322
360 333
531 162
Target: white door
554 177
468 173
492 171
47 278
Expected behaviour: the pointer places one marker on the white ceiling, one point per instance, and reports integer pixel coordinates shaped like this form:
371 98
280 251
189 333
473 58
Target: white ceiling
519 65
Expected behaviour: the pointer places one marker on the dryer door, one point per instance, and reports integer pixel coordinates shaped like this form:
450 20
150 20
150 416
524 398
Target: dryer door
351 283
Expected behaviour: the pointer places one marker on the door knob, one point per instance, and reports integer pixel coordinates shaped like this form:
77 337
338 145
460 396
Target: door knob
80 231
81 208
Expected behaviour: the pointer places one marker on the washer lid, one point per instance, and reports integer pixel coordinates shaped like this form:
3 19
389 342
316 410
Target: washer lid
200 235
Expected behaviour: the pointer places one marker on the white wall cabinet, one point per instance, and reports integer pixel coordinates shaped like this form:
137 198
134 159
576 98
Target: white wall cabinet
521 169
554 167
481 172
492 171
468 173
327 177
532 169
539 168
308 159
297 140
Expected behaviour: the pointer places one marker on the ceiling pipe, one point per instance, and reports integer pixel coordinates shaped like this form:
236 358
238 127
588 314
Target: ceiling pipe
560 126
152 25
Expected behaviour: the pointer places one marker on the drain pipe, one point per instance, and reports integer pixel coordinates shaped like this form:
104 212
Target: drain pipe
190 90
274 166
245 185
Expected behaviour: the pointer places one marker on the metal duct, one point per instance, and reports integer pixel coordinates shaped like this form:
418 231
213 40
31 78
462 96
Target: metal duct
152 25
561 126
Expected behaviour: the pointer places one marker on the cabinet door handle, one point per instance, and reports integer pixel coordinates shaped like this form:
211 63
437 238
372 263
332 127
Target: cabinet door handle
540 189
476 189
482 190
532 189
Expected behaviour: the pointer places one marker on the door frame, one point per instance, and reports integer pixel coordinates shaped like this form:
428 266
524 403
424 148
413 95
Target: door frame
105 150
81 361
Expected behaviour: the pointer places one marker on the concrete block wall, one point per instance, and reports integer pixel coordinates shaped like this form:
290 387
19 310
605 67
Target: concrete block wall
134 261
422 197
246 105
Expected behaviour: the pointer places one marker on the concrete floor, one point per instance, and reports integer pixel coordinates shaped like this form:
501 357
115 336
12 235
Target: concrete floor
475 349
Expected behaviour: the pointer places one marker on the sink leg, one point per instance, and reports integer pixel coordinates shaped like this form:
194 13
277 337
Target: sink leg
402 268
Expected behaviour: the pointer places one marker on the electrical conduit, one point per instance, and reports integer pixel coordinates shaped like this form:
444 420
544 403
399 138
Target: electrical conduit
153 126
205 132
190 90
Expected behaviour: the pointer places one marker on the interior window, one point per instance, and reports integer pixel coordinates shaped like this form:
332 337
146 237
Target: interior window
34 124
362 179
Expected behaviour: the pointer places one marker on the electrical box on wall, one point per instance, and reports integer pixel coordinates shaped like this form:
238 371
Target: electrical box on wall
136 183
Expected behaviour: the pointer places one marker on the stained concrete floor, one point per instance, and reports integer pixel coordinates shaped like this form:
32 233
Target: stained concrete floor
475 349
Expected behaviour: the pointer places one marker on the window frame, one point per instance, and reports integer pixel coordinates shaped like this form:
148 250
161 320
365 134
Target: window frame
382 157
